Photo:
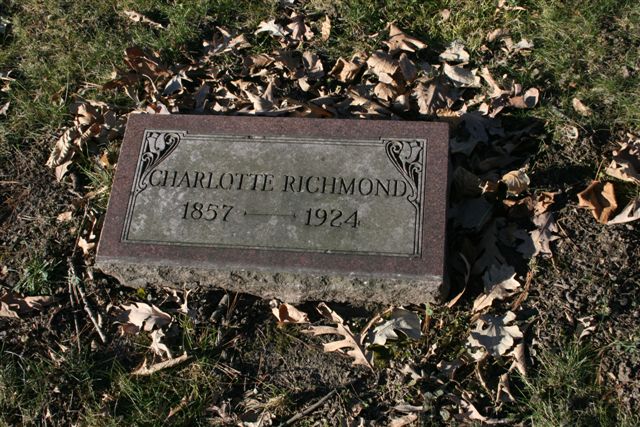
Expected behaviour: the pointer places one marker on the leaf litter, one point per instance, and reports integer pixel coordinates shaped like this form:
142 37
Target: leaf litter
387 83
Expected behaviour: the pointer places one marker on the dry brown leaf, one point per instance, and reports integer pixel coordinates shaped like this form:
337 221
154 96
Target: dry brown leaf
65 216
541 236
312 65
493 334
402 320
223 41
455 52
271 27
519 359
329 314
86 246
494 34
140 316
407 68
157 346
383 66
399 41
580 108
325 30
65 147
528 100
626 161
499 283
496 90
137 17
350 343
13 305
298 29
630 213
286 313
517 181
461 76
544 200
346 71
600 198
403 421
5 108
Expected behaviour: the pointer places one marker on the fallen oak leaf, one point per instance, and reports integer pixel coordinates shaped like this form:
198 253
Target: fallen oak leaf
141 316
600 199
401 320
157 346
350 343
493 334
12 305
630 213
626 161
499 283
345 71
270 27
541 236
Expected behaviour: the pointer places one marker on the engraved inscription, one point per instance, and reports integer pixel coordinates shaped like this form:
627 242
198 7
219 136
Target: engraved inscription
297 194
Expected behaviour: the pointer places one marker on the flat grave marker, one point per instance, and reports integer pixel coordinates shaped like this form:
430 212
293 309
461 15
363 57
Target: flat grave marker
299 209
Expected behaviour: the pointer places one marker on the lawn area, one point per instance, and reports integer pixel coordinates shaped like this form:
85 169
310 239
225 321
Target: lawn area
539 91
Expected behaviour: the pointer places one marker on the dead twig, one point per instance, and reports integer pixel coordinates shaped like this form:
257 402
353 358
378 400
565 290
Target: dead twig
309 409
148 370
74 281
73 306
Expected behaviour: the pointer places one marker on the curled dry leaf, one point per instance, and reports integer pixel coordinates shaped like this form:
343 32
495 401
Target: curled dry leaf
346 71
600 198
401 320
580 108
630 213
528 100
325 30
383 66
455 52
65 216
461 76
493 334
286 313
626 161
517 181
499 283
140 316
399 41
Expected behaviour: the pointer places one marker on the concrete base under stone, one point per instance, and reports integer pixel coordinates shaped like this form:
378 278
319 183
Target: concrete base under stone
288 287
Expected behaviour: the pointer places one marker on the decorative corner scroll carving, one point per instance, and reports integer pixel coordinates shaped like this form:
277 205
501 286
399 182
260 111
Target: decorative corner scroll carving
407 157
156 147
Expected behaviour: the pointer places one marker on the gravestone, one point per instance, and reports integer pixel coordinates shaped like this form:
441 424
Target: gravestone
298 209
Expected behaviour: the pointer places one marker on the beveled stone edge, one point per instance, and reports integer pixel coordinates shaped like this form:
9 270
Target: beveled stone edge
286 286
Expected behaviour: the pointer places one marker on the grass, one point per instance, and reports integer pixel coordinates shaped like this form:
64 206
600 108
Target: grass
565 391
56 48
